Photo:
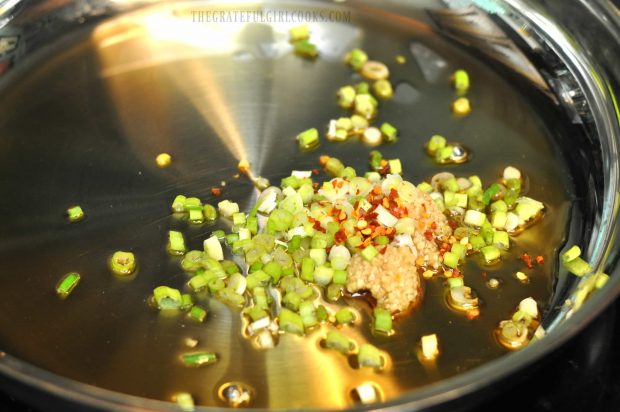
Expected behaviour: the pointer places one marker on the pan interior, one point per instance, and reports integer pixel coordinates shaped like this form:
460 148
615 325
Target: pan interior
84 125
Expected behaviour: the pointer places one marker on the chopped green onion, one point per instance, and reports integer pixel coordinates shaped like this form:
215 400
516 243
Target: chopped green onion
389 132
369 253
340 277
451 260
365 105
274 270
395 166
375 160
435 143
305 48
261 300
369 356
528 208
474 218
258 278
382 240
443 155
323 275
461 106
210 213
490 253
196 215
186 301
571 254
382 320
460 250
220 234
231 297
228 208
499 219
291 322
338 341
199 359
75 214
198 283
461 82
334 166
348 173
178 204
307 269
491 193
230 267
213 248
319 256
67 283
487 231
192 261
321 313
362 88
216 285
238 218
300 32
255 313
356 58
345 316
578 267
123 263
176 243
252 224
346 97
307 311
167 297
185 401
501 240
192 202
475 181
198 313
383 89
334 292
425 187
455 282
231 238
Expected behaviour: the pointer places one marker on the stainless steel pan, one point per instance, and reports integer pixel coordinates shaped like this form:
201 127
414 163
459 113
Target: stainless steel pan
90 92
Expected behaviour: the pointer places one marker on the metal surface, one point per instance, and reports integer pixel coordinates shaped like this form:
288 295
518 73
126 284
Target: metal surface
85 118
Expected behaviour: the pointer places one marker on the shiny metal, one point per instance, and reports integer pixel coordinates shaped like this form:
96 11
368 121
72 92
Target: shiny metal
96 127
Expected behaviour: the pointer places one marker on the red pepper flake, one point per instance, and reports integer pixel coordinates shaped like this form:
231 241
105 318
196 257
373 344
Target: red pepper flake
216 191
334 184
428 235
382 251
484 275
453 225
434 225
540 260
340 236
472 313
315 171
317 226
376 190
527 259
393 193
